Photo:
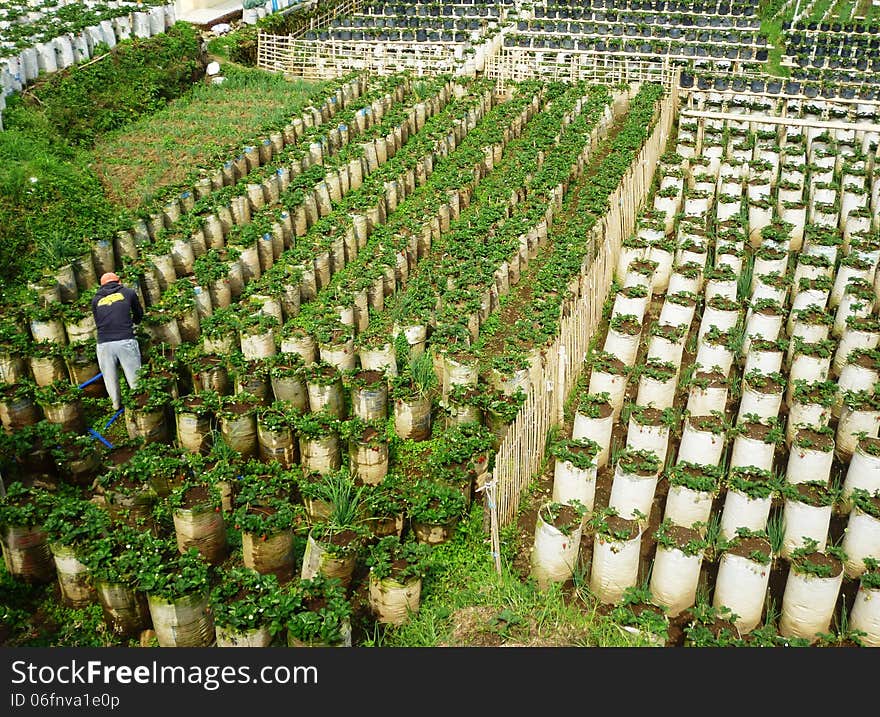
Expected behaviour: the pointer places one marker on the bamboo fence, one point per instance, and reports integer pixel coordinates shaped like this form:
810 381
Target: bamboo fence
514 64
317 60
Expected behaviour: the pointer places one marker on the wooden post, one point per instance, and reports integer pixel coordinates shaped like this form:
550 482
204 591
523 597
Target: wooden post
494 533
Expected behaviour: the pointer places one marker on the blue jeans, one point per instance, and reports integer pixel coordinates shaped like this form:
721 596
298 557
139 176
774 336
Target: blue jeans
128 354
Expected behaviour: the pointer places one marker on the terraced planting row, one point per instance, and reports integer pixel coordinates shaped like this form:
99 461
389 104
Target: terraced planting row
43 37
721 465
294 433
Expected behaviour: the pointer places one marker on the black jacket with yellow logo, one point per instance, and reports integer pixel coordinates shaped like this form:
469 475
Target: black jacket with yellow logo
116 309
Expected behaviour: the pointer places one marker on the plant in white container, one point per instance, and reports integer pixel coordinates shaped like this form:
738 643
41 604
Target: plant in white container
657 382
861 539
707 391
825 242
811 591
859 417
728 206
692 248
692 489
765 355
755 442
632 249
594 420
810 362
649 428
634 483
609 375
557 543
616 548
808 292
764 319
574 472
666 343
721 280
622 339
668 201
863 471
806 514
686 276
703 439
678 309
811 455
865 613
631 301
730 255
677 562
857 301
761 395
744 576
854 265
769 260
637 615
661 251
718 349
760 216
748 499
721 312
860 333
771 285
860 373
641 271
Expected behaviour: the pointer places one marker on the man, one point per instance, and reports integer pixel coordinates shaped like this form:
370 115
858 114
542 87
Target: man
116 309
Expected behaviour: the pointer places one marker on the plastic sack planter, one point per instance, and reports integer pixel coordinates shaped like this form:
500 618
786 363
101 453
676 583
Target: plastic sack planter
332 555
615 562
392 601
267 554
634 484
125 610
811 456
703 440
556 547
26 554
573 482
185 621
861 538
742 580
747 501
692 490
806 516
595 421
74 579
865 613
676 571
648 430
609 375
198 523
863 472
754 445
230 637
810 597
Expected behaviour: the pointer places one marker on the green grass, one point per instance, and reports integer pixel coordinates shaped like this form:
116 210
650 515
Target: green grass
200 129
49 200
465 603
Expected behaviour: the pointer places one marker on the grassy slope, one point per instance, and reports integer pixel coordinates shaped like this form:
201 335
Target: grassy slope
194 131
